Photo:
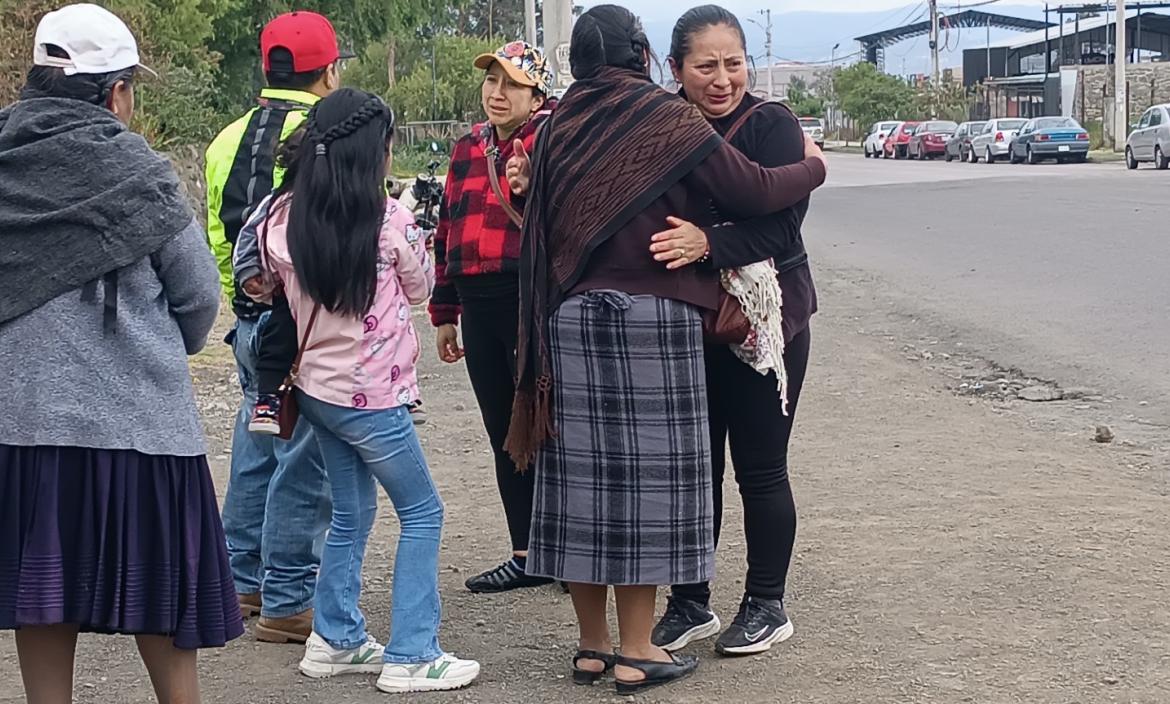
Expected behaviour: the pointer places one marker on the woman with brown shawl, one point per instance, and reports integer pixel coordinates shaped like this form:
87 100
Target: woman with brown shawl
611 400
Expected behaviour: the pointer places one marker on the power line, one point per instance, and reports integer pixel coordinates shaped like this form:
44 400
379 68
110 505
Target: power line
921 10
906 53
824 62
972 5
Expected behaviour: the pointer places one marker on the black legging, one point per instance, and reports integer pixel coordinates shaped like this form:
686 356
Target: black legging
489 341
745 406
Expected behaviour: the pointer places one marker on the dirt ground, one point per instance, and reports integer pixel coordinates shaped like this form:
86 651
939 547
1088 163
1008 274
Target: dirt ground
952 548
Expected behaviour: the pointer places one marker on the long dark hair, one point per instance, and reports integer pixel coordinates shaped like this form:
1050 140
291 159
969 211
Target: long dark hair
339 200
696 20
608 35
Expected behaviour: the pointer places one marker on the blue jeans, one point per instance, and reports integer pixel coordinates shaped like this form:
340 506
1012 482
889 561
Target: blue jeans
276 510
364 448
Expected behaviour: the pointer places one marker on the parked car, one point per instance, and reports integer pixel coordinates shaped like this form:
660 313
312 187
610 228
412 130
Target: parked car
1059 138
959 145
814 128
875 142
899 141
1150 140
930 139
994 142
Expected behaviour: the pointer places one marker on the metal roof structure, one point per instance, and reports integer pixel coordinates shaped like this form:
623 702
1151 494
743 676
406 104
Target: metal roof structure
1152 22
873 45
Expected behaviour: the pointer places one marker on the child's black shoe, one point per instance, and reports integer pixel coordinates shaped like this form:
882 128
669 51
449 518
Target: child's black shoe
266 415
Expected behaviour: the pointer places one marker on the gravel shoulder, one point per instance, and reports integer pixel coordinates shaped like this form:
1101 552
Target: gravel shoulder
952 548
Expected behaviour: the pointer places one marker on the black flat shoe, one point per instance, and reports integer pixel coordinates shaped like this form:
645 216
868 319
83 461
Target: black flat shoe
657 673
504 578
589 676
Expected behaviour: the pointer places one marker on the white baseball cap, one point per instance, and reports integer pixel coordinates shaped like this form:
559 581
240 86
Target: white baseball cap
95 39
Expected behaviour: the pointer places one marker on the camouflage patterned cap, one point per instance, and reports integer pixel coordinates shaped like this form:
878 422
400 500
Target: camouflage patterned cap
523 63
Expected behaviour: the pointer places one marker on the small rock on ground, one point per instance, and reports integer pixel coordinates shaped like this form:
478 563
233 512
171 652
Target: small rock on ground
1040 394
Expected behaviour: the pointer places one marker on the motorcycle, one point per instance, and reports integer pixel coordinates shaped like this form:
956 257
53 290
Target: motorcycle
424 197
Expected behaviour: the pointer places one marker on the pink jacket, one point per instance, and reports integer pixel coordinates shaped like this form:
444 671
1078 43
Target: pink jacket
368 363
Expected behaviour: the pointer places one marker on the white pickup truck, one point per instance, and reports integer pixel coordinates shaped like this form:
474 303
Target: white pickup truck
815 128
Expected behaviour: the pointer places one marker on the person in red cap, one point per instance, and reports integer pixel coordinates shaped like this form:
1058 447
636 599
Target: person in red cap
277 509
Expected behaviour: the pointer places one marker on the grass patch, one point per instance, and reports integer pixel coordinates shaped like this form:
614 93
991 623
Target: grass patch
410 162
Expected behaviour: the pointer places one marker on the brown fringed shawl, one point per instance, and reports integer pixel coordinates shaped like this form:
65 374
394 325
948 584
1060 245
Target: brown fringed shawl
616 143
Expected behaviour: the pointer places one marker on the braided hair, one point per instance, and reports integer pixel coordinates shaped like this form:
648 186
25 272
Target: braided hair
338 200
608 35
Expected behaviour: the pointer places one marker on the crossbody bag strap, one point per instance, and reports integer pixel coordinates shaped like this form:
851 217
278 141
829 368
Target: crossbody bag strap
742 121
295 369
494 178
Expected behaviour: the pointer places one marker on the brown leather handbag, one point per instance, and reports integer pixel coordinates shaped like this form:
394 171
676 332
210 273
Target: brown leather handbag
728 325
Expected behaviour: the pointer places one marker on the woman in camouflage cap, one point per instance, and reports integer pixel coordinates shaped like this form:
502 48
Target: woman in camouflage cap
477 254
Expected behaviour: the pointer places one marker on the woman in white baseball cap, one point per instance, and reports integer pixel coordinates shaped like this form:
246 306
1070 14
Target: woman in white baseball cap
87 54
108 515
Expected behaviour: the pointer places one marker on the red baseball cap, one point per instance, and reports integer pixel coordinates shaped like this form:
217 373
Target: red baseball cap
309 37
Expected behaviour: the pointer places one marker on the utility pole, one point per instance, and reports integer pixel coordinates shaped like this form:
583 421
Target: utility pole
557 20
768 49
934 68
989 47
1121 57
530 21
767 27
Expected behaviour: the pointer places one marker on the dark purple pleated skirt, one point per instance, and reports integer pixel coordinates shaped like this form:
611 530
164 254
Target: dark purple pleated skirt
115 541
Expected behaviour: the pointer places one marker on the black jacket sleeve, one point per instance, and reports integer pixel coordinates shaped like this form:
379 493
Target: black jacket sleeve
771 138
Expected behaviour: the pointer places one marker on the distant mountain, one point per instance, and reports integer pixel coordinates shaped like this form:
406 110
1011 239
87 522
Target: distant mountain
810 36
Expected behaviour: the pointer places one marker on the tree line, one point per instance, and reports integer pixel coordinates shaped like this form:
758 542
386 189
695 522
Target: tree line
868 95
416 53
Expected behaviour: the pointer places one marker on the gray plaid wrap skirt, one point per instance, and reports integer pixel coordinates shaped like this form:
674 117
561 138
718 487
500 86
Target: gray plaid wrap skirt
623 492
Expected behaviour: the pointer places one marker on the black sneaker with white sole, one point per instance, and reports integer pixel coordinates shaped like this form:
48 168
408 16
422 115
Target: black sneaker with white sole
684 622
760 624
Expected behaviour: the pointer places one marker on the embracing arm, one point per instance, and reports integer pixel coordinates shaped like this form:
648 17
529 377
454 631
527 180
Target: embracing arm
741 188
775 236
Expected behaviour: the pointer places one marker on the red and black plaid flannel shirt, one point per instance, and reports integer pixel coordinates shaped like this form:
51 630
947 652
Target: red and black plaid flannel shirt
475 236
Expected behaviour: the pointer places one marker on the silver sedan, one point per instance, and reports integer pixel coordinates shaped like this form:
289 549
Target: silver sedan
994 142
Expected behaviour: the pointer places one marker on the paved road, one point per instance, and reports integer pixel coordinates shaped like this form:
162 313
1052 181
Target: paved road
1060 270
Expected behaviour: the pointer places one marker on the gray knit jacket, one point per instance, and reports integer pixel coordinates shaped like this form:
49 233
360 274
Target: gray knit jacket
65 382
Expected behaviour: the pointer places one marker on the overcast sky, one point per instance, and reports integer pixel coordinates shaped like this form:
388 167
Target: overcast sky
657 9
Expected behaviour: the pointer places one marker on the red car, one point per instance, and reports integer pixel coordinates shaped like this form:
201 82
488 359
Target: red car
930 139
899 141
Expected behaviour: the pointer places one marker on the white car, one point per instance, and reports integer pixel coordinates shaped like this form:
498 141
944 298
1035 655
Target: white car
995 141
813 127
1150 139
875 142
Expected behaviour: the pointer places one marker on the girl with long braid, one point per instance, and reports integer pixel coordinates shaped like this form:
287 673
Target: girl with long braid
351 262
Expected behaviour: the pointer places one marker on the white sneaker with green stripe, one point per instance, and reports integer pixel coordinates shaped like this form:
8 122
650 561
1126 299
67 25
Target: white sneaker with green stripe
448 672
323 660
